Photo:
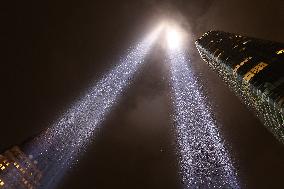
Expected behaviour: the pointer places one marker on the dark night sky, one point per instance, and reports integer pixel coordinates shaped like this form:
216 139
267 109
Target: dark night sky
52 50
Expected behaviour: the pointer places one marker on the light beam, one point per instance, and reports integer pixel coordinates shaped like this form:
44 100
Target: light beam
58 147
203 159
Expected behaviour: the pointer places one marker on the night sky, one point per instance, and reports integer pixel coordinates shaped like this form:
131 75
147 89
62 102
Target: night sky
51 51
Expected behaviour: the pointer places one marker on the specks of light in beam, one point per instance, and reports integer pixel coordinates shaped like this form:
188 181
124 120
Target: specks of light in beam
203 159
57 148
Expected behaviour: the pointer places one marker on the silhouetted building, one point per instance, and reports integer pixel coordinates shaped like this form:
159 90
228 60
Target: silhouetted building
18 170
253 69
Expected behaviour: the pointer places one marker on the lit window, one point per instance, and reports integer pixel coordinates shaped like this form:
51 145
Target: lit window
248 76
236 69
219 55
241 64
1 183
258 67
2 168
280 51
245 42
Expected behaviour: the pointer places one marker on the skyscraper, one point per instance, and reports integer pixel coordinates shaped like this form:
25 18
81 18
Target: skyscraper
253 69
18 170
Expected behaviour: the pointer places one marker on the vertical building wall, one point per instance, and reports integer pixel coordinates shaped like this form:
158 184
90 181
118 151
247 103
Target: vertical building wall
253 69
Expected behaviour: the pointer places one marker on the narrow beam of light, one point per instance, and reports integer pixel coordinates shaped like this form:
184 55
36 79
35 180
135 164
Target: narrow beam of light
59 147
203 159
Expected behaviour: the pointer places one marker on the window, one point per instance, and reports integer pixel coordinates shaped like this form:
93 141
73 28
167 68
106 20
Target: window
1 183
248 76
258 67
241 64
280 51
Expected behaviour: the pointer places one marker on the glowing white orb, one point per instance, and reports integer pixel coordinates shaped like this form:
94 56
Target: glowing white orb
173 37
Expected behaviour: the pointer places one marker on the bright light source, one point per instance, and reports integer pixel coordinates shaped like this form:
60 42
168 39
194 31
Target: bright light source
174 37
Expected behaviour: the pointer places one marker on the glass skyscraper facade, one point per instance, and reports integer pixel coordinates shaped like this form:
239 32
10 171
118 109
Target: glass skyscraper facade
253 69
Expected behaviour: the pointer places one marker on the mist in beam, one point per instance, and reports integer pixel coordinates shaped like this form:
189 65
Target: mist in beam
203 159
59 146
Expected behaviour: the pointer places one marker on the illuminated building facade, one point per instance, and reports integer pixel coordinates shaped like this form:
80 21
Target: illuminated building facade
18 171
253 69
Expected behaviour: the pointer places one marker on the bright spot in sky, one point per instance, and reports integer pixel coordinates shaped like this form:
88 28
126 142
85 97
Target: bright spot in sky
203 159
173 37
60 145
